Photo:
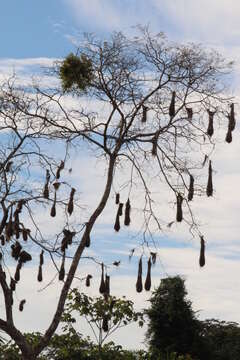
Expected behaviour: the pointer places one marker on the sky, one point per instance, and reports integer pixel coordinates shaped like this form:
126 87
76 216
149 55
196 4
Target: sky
35 34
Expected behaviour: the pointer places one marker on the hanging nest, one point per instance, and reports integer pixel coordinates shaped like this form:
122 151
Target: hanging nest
17 272
88 241
191 188
131 254
117 198
67 239
179 215
56 185
16 249
41 259
144 113
139 285
25 233
53 208
154 257
120 209
39 277
70 202
20 205
117 220
16 223
107 285
202 252
4 221
2 238
172 105
24 256
147 284
232 121
59 169
46 192
127 219
102 288
231 125
46 186
210 129
105 323
209 190
8 166
88 278
117 223
21 305
189 113
204 160
64 244
69 235
16 229
228 137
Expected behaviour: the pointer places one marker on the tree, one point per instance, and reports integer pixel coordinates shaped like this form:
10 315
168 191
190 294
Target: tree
173 326
160 104
105 315
223 339
72 346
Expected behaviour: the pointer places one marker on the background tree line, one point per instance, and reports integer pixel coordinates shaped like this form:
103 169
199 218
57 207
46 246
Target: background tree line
174 331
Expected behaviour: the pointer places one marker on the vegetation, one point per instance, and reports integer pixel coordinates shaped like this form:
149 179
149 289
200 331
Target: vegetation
105 315
222 338
72 346
174 328
76 73
174 332
151 110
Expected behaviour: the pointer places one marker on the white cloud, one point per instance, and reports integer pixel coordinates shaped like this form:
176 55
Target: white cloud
28 71
19 66
104 14
212 22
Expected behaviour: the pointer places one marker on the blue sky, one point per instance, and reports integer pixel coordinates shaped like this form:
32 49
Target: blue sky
34 29
34 33
43 28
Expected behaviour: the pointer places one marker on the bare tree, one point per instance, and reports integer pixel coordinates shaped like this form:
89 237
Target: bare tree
161 104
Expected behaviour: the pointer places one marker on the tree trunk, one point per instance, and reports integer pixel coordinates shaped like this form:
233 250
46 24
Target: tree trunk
56 319
28 357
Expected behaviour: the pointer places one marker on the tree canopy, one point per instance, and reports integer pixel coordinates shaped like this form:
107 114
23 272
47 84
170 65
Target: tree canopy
144 105
173 326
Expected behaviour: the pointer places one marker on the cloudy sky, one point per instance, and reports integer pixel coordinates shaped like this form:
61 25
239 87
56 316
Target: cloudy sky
33 35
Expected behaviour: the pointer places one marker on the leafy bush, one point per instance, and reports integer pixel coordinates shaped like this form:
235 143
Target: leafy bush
75 72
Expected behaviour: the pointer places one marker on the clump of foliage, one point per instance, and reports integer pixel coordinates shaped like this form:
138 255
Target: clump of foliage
223 339
72 346
173 326
75 72
105 315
